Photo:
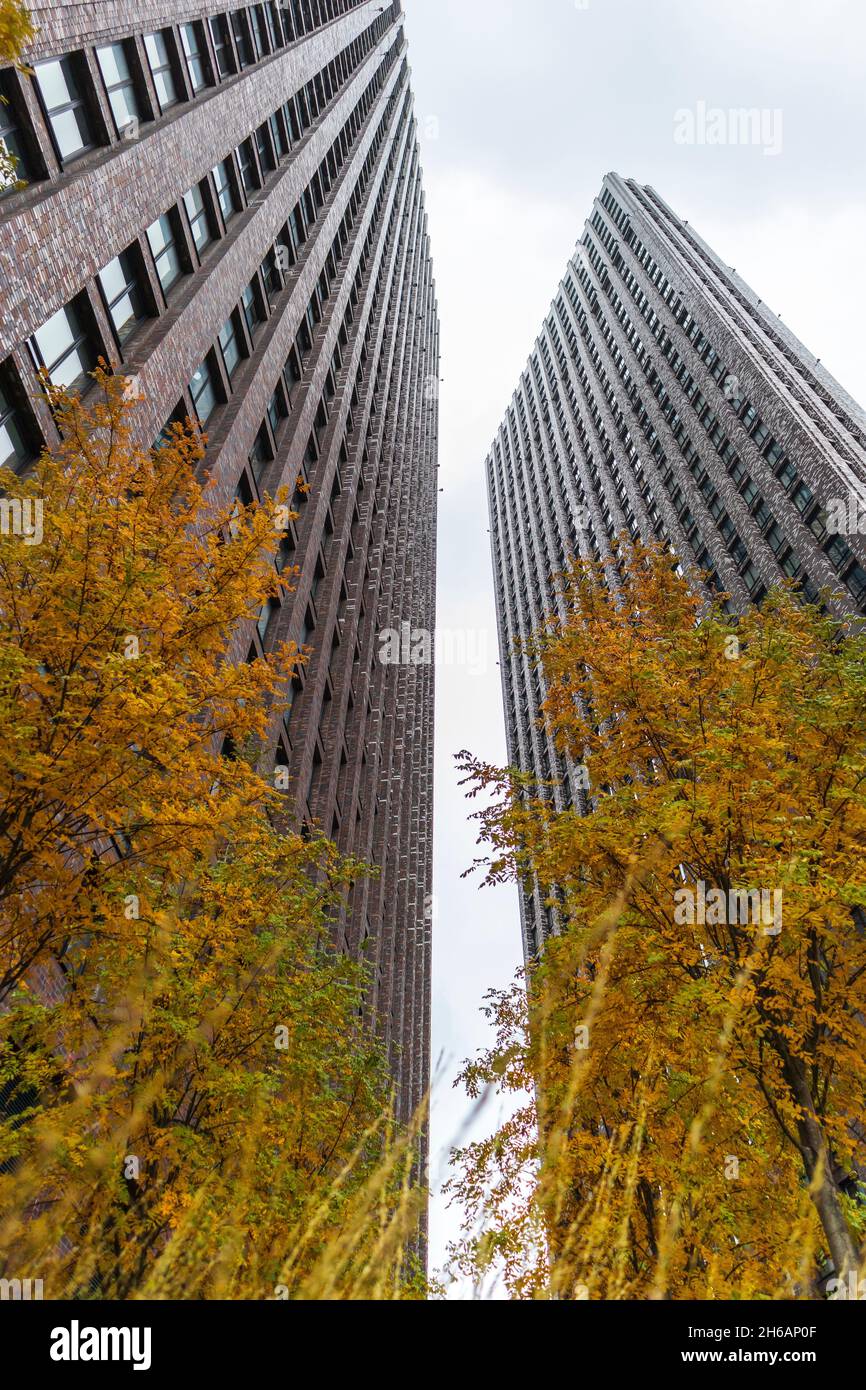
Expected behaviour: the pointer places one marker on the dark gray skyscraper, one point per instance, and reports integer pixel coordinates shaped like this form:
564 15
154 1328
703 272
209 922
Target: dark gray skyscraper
226 204
664 400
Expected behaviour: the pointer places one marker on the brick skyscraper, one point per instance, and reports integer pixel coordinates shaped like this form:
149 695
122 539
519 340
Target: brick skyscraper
227 205
663 399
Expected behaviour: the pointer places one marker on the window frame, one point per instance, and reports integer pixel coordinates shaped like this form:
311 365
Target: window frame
15 422
199 56
166 38
212 378
137 116
17 130
175 243
230 186
83 334
243 37
133 290
232 330
203 215
70 65
221 37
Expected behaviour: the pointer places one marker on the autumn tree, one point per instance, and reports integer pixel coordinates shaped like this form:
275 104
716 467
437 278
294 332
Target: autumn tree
189 1103
697 1050
117 612
16 30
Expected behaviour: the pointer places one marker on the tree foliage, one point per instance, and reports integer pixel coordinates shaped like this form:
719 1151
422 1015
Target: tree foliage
16 30
191 1104
699 1069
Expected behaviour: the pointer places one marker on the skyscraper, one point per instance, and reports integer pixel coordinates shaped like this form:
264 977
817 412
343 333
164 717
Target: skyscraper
227 206
663 399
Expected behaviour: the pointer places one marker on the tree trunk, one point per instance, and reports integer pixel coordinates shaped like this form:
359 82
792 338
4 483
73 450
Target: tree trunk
819 1166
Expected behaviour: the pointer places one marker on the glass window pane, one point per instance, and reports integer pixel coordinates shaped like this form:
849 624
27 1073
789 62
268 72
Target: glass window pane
113 64
160 66
11 145
225 192
192 50
159 235
230 350
165 89
113 279
242 41
202 391
52 84
162 244
195 208
70 130
122 291
54 338
119 85
124 107
64 106
14 450
222 47
64 347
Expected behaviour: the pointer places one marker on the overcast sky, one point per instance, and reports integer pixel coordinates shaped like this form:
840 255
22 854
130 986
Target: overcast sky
524 105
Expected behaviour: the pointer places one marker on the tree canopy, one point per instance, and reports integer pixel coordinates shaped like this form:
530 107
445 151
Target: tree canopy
698 1061
191 1104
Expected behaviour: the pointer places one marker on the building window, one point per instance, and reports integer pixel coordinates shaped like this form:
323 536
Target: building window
267 613
230 346
278 135
272 20
292 374
257 27
277 410
64 105
123 295
163 245
271 276
114 66
159 59
199 223
291 113
168 433
252 309
266 154
260 454
11 144
225 190
15 451
203 391
222 45
242 38
285 556
65 347
193 49
247 163
856 582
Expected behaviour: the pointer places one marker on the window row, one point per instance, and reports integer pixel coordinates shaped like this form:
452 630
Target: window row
144 79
